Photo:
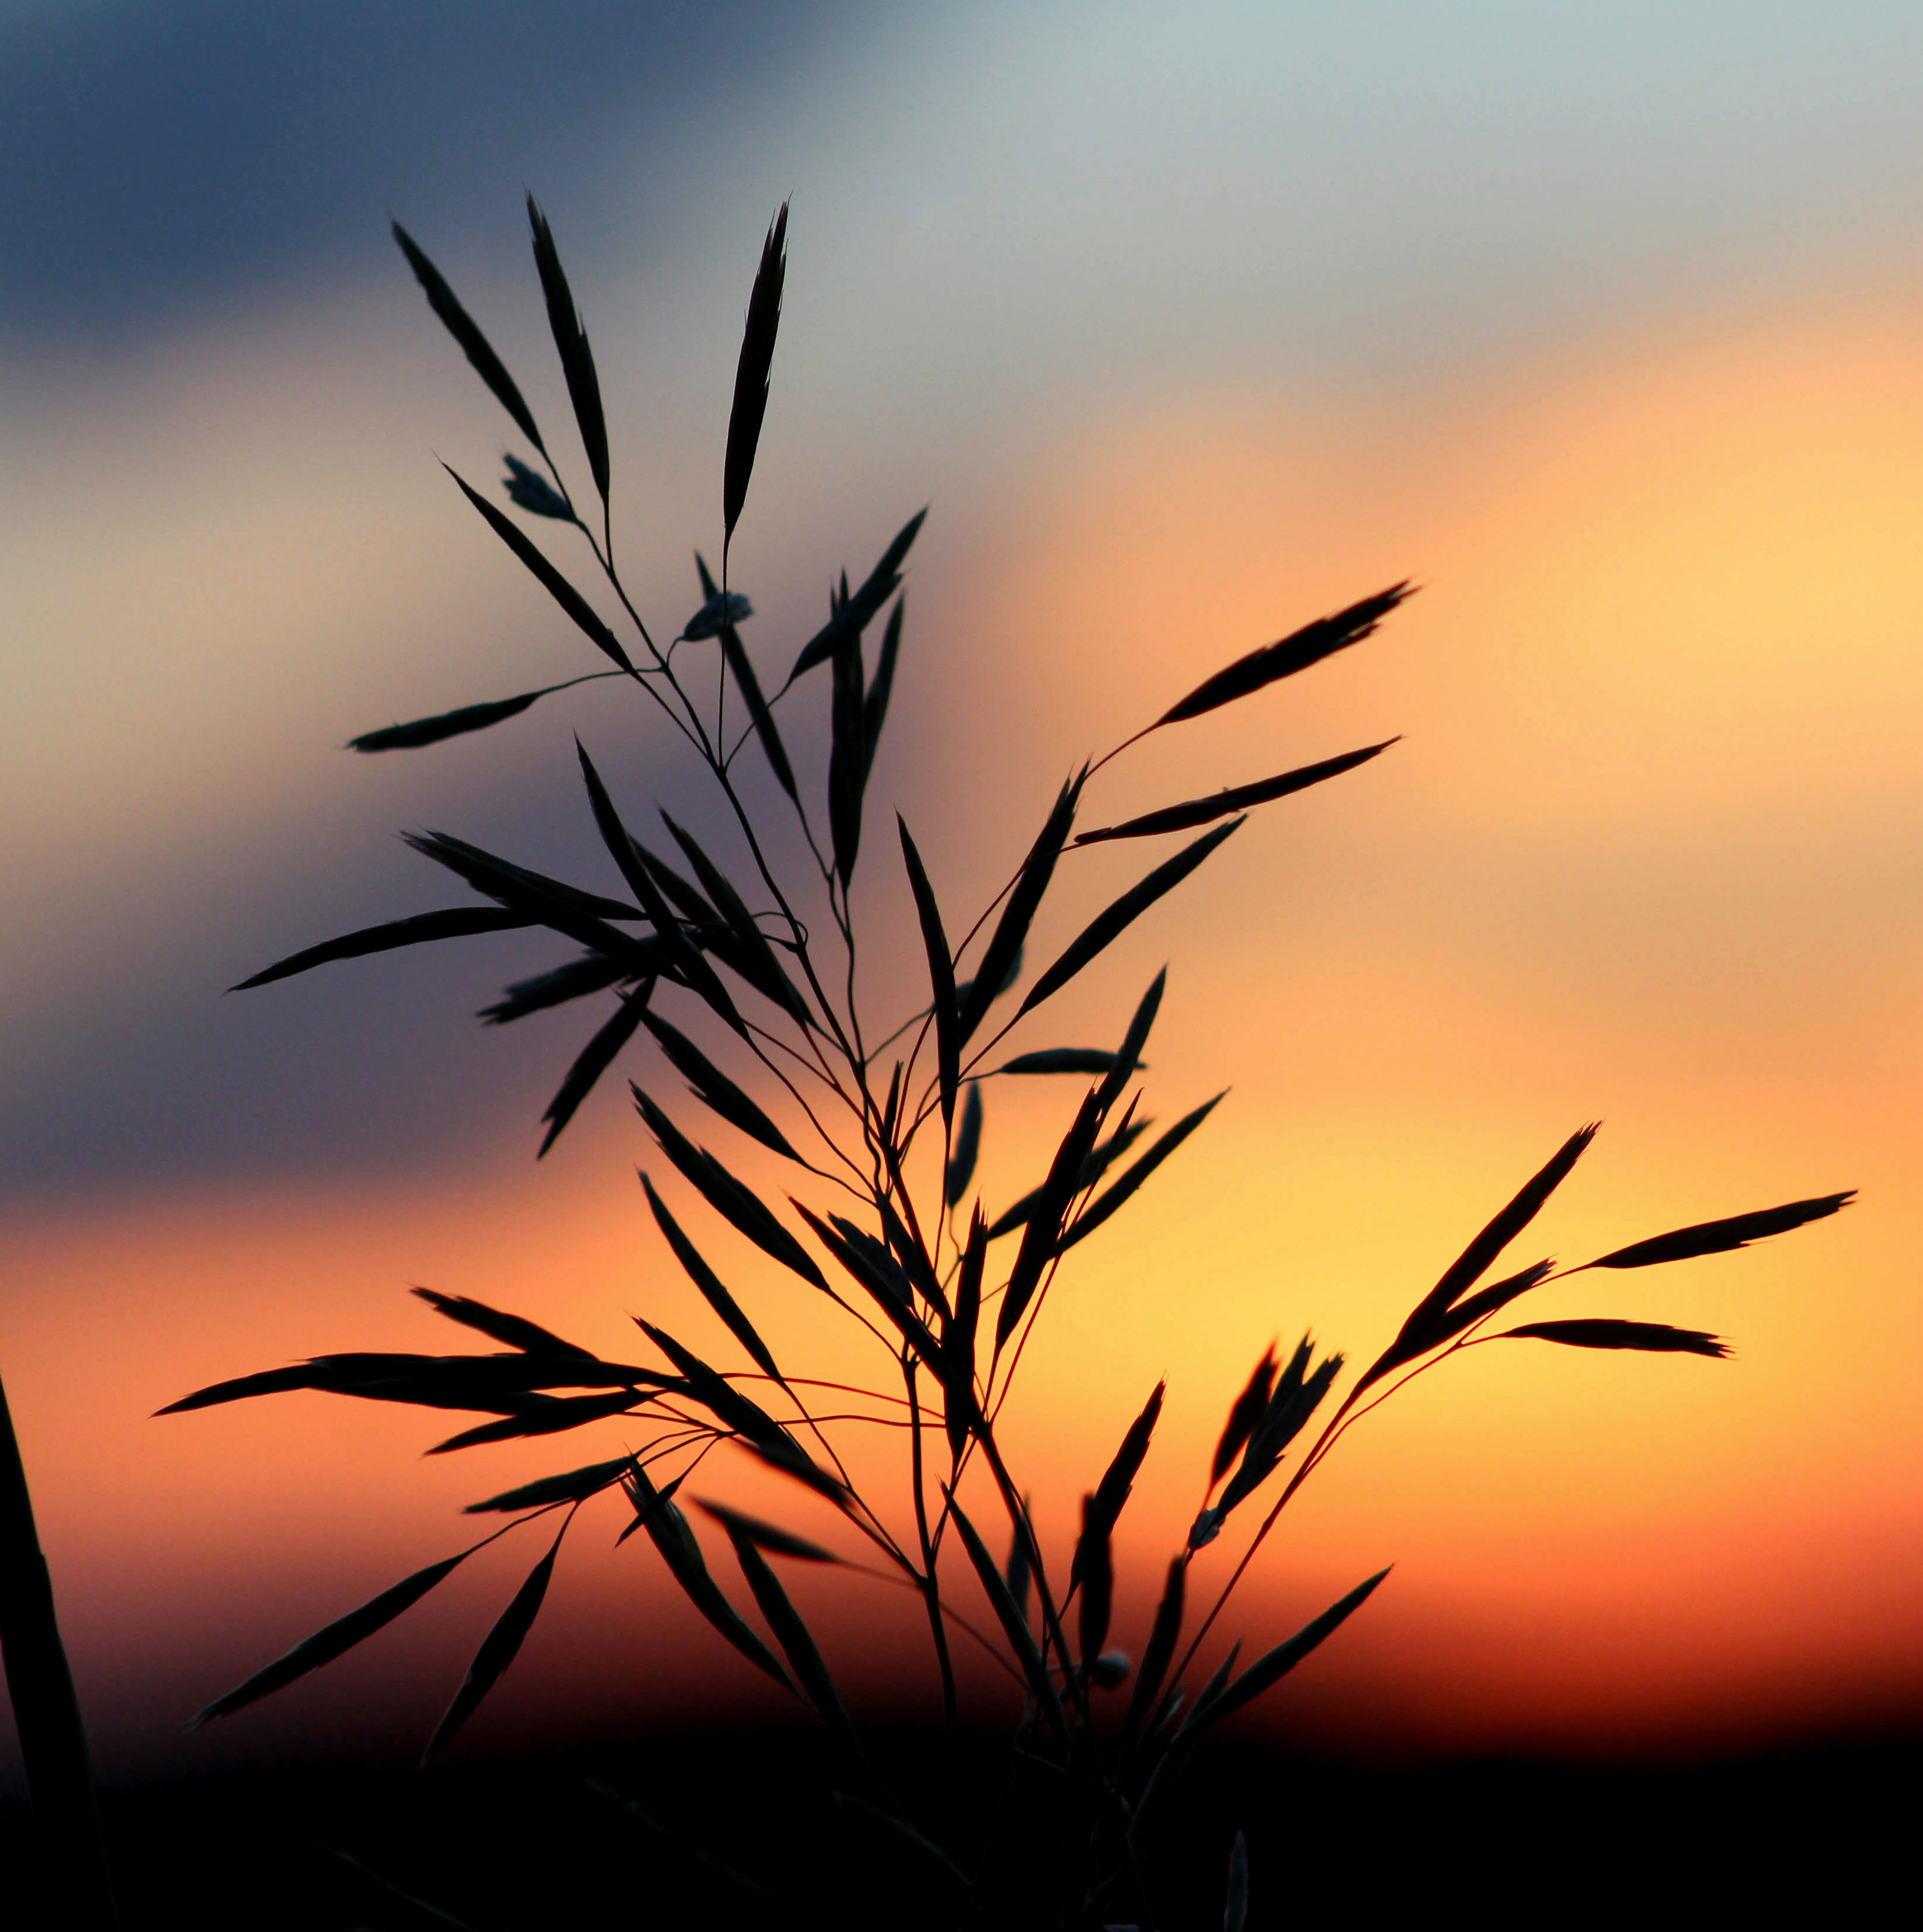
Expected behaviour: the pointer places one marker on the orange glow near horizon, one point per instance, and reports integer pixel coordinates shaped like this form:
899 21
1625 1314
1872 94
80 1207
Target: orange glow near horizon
1651 850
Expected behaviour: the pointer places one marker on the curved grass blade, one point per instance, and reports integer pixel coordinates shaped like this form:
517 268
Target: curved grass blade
1098 1164
336 1639
1008 1614
1721 1237
457 922
514 1330
573 1485
941 980
960 1169
727 1195
1108 924
1240 798
575 915
874 707
550 1419
871 1265
1270 1669
1004 945
752 1426
1486 1301
1094 1572
1040 1237
498 1649
1128 1060
912 1256
686 956
460 325
704 1278
712 1086
1118 1479
593 1061
751 954
804 1657
643 1514
751 376
1058 1060
847 758
1243 1413
767 1536
501 1384
544 574
958 1339
1164 1634
759 715
571 343
446 724
521 888
1653 1337
693 907
667 1528
529 490
1106 1203
593 972
1419 1333
1297 652
1299 1392
852 612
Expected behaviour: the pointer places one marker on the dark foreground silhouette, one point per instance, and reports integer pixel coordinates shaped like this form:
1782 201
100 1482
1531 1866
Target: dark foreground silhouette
745 1830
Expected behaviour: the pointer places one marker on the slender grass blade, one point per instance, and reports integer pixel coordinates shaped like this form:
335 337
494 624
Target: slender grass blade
1295 653
1269 1669
461 326
446 725
498 1649
1653 1337
1115 919
1014 1624
1118 1196
727 1195
336 1639
573 1485
1164 1634
457 922
751 375
668 1530
570 344
798 1645
941 981
516 1330
593 1061
591 974
1005 944
1722 1238
712 1085
544 574
767 1536
967 1148
1240 798
704 1278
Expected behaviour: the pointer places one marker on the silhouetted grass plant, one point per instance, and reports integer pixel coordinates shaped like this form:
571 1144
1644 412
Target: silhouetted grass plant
883 1123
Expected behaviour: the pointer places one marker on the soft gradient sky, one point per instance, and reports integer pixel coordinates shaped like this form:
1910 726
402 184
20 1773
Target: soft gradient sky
1605 323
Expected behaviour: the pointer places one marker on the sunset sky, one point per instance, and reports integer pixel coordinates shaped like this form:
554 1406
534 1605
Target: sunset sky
1604 324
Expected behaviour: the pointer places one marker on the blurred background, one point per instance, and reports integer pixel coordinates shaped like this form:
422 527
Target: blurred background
1604 324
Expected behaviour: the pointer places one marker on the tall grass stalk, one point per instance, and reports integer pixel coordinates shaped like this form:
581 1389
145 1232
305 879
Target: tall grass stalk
76 1880
879 1117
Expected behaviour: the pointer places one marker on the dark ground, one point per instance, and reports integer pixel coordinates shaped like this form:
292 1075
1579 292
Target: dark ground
1816 1834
